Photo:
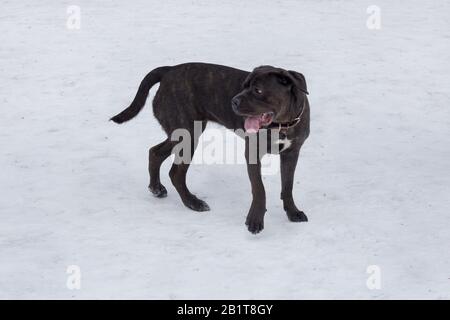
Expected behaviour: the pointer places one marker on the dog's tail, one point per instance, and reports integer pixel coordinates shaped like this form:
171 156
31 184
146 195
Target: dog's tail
138 103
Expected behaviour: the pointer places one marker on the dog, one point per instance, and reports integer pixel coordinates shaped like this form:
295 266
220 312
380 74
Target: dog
268 99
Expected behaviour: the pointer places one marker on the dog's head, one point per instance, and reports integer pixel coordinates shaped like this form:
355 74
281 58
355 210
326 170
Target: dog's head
269 95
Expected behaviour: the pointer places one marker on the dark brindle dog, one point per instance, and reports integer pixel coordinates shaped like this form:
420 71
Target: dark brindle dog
267 98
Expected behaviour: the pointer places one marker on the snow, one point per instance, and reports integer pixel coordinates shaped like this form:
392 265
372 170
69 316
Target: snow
373 176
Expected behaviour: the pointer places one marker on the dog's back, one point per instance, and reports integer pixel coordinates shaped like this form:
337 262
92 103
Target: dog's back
188 92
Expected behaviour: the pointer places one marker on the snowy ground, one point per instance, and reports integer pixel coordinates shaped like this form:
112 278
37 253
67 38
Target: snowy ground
373 176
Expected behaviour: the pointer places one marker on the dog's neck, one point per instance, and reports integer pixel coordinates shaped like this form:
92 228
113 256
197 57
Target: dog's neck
285 126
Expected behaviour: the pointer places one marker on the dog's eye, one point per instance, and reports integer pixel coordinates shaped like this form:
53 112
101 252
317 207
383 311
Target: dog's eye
258 90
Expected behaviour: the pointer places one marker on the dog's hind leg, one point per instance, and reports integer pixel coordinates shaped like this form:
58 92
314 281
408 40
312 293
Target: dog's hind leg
178 176
156 157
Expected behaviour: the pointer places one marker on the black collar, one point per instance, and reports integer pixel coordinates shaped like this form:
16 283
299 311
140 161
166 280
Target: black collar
284 126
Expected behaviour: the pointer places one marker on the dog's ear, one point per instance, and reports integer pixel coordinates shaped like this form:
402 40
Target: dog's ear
256 71
299 81
247 81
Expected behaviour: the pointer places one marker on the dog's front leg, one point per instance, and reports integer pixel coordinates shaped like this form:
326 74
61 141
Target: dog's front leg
288 160
255 217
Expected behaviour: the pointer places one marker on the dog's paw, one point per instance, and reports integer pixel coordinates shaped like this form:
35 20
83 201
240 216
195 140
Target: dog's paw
297 216
197 204
158 191
254 225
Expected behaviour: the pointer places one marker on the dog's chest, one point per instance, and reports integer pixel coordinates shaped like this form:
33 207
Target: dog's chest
283 143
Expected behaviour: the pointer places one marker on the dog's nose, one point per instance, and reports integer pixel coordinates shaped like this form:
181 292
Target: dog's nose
235 103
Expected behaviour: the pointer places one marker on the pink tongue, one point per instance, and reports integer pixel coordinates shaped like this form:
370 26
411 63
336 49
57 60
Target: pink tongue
252 124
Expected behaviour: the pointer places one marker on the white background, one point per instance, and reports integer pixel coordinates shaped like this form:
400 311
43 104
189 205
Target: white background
373 177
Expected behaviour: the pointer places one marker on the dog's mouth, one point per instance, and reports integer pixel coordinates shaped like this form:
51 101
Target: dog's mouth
252 124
